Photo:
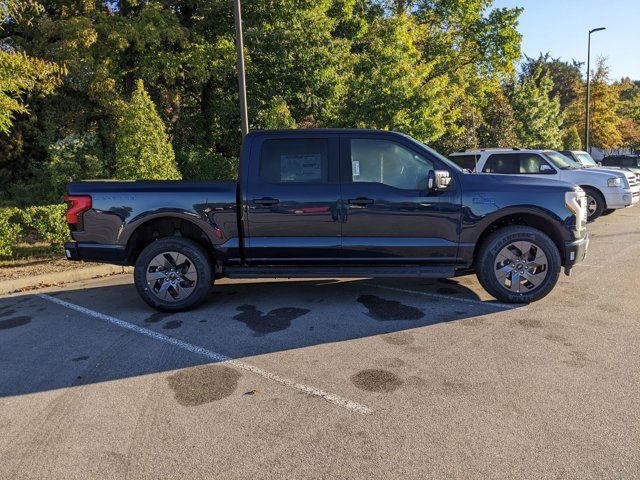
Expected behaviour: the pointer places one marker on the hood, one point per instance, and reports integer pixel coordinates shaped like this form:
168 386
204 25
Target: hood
504 182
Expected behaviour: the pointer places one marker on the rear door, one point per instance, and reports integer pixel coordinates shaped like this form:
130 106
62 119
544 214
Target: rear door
389 216
292 199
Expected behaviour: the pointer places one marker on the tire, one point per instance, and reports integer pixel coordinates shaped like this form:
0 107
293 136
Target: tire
173 274
496 264
595 203
608 211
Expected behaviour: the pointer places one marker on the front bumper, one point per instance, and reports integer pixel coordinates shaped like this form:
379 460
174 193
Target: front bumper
575 252
623 198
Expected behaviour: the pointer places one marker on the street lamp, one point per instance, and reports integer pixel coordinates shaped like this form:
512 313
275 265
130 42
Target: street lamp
244 122
586 125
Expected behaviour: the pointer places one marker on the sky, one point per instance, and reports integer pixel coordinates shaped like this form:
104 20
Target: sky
561 28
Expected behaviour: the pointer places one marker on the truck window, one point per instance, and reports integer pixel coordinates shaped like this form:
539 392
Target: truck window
295 161
389 163
502 163
530 163
465 161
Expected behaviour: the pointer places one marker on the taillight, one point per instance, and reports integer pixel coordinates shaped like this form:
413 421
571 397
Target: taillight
77 205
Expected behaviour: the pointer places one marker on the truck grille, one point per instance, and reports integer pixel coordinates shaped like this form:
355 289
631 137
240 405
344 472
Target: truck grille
633 180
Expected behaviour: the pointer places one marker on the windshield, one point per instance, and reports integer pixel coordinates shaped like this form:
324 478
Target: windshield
562 162
585 159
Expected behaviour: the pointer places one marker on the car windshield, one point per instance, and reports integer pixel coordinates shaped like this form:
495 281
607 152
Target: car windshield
585 159
562 162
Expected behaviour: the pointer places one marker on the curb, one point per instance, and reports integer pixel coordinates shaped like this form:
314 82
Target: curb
67 276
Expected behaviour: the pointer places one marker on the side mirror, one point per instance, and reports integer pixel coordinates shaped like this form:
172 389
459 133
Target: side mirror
546 169
599 164
439 180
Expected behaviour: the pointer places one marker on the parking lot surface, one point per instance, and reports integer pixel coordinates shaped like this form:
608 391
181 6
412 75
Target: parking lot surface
331 378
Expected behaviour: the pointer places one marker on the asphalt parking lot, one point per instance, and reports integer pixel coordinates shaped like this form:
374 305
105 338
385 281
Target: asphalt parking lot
370 378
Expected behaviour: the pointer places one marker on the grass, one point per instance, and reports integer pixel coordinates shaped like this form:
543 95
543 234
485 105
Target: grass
30 253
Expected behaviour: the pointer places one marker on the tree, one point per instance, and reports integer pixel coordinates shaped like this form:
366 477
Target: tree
143 149
498 123
604 132
566 76
537 115
571 140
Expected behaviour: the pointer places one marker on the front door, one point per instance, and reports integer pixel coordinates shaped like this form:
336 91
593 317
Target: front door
292 200
388 214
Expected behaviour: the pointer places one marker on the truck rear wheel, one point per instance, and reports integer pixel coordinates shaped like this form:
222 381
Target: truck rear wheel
518 264
173 274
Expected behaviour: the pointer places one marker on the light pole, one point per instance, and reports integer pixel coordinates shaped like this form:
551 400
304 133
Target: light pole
244 122
586 123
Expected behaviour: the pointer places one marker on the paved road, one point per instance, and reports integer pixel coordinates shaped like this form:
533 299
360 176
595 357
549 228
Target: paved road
353 379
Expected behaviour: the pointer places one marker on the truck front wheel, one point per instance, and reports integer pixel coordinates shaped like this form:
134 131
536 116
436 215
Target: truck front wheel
173 274
518 264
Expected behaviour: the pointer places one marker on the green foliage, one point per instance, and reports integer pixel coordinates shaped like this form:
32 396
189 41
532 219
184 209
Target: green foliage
208 165
278 115
537 116
9 230
143 150
605 102
571 140
45 224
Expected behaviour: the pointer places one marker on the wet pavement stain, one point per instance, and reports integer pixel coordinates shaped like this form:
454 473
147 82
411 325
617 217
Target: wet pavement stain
530 323
400 338
376 381
385 310
80 359
558 339
274 321
156 317
172 325
14 322
578 359
204 384
6 312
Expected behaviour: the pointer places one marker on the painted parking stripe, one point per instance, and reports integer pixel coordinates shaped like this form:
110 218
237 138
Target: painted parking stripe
447 297
217 357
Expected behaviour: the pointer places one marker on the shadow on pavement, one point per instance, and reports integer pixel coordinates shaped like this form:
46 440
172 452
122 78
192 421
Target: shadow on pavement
44 346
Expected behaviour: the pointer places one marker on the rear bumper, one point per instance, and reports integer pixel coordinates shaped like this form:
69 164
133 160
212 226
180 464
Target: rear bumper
96 252
575 252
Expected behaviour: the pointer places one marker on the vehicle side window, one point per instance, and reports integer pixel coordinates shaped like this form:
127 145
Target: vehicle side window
464 161
628 162
295 161
389 163
530 163
501 163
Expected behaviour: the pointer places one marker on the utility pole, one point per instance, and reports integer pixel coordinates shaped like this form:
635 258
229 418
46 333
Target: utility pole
244 122
586 123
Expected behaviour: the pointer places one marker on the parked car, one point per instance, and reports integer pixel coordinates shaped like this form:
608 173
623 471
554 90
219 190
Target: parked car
627 162
604 190
585 160
332 203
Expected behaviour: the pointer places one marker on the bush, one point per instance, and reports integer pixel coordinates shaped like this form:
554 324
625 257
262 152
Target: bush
9 230
208 165
33 224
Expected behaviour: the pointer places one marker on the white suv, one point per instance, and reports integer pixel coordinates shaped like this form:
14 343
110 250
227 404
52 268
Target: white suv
605 190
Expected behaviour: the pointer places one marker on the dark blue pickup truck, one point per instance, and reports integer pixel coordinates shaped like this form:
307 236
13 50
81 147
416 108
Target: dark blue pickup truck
332 203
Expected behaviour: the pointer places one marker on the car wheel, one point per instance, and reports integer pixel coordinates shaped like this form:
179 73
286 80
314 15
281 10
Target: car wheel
608 211
595 203
518 264
173 274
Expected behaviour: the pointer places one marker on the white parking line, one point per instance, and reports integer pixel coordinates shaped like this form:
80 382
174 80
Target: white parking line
217 357
446 297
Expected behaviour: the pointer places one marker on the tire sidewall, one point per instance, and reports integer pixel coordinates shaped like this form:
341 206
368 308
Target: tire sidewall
196 254
600 203
496 242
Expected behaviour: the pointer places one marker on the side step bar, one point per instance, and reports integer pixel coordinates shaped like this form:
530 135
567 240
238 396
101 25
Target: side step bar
339 272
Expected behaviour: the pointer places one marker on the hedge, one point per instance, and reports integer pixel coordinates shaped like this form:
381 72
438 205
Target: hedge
33 224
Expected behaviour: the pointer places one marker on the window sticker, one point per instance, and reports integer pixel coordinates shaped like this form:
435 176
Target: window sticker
355 168
301 167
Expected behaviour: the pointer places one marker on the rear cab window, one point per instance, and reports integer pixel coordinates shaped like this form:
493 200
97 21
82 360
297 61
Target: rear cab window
295 161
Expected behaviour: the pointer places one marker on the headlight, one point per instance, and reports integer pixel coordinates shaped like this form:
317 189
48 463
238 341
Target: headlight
576 202
614 182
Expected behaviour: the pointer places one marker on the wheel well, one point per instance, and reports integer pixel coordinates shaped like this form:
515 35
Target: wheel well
524 219
594 189
164 227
